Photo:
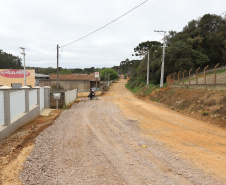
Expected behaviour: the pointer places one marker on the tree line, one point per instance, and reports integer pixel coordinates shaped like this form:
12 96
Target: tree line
202 42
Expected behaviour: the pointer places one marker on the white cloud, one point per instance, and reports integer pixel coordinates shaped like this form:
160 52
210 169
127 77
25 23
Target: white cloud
41 25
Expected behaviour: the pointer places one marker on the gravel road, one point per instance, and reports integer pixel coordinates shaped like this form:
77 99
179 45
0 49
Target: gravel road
95 142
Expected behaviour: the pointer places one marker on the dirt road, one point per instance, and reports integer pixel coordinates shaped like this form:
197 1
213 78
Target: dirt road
120 139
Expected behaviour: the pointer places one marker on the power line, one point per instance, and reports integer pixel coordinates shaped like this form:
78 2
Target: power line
105 25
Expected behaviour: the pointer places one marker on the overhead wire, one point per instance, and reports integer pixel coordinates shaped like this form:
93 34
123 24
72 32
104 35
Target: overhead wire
136 14
106 24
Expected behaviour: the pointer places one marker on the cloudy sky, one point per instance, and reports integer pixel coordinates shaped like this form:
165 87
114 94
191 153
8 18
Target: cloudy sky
39 25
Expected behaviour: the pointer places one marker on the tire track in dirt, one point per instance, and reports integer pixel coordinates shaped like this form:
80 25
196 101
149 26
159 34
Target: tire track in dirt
96 143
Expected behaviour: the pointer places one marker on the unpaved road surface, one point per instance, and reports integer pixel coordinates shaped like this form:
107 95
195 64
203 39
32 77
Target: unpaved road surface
120 139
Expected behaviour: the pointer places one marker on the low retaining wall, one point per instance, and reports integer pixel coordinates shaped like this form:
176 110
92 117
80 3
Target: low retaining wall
201 86
21 120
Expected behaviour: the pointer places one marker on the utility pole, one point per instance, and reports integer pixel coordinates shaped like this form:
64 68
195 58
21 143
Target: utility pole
163 58
57 68
148 69
23 53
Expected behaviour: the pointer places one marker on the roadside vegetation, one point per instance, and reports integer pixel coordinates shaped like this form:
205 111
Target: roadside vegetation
200 43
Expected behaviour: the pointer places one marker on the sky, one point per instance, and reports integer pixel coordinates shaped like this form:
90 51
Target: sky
39 25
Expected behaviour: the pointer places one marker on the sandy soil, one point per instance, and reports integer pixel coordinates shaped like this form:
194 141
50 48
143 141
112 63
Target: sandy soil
206 105
120 139
15 148
202 144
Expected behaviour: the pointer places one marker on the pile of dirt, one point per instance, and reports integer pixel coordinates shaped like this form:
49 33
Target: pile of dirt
209 106
15 148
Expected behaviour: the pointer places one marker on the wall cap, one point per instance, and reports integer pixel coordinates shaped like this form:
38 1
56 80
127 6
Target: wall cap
25 87
37 87
5 87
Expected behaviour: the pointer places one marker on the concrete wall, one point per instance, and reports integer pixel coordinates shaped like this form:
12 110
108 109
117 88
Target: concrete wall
23 119
12 122
81 85
201 86
70 96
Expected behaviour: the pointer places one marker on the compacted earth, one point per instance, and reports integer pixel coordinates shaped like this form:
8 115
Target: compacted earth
206 105
120 139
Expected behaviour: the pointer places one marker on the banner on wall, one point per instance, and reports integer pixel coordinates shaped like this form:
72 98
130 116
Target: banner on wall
14 73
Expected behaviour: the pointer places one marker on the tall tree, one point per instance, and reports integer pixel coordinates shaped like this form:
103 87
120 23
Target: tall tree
9 61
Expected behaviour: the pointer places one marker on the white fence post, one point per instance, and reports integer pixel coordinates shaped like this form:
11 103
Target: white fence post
26 100
38 94
7 119
2 116
47 97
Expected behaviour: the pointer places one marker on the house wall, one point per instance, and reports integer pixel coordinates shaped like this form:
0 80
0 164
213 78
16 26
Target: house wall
81 85
11 76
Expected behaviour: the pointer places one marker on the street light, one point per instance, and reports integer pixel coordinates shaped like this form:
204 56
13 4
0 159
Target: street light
23 53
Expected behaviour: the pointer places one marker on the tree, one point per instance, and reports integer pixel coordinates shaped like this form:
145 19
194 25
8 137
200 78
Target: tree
65 71
8 61
143 47
112 72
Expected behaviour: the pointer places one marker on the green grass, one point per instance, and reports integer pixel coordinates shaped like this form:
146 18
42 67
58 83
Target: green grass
218 72
156 99
144 89
171 92
204 113
133 90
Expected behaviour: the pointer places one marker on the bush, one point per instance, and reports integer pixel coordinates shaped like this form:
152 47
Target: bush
113 73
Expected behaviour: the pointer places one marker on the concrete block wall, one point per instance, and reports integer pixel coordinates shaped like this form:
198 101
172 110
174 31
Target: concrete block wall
68 84
10 124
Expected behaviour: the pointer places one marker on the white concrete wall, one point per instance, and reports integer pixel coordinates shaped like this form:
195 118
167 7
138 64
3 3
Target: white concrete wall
17 103
32 98
41 98
1 108
70 96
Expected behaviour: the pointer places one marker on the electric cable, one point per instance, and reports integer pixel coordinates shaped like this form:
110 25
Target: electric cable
105 24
